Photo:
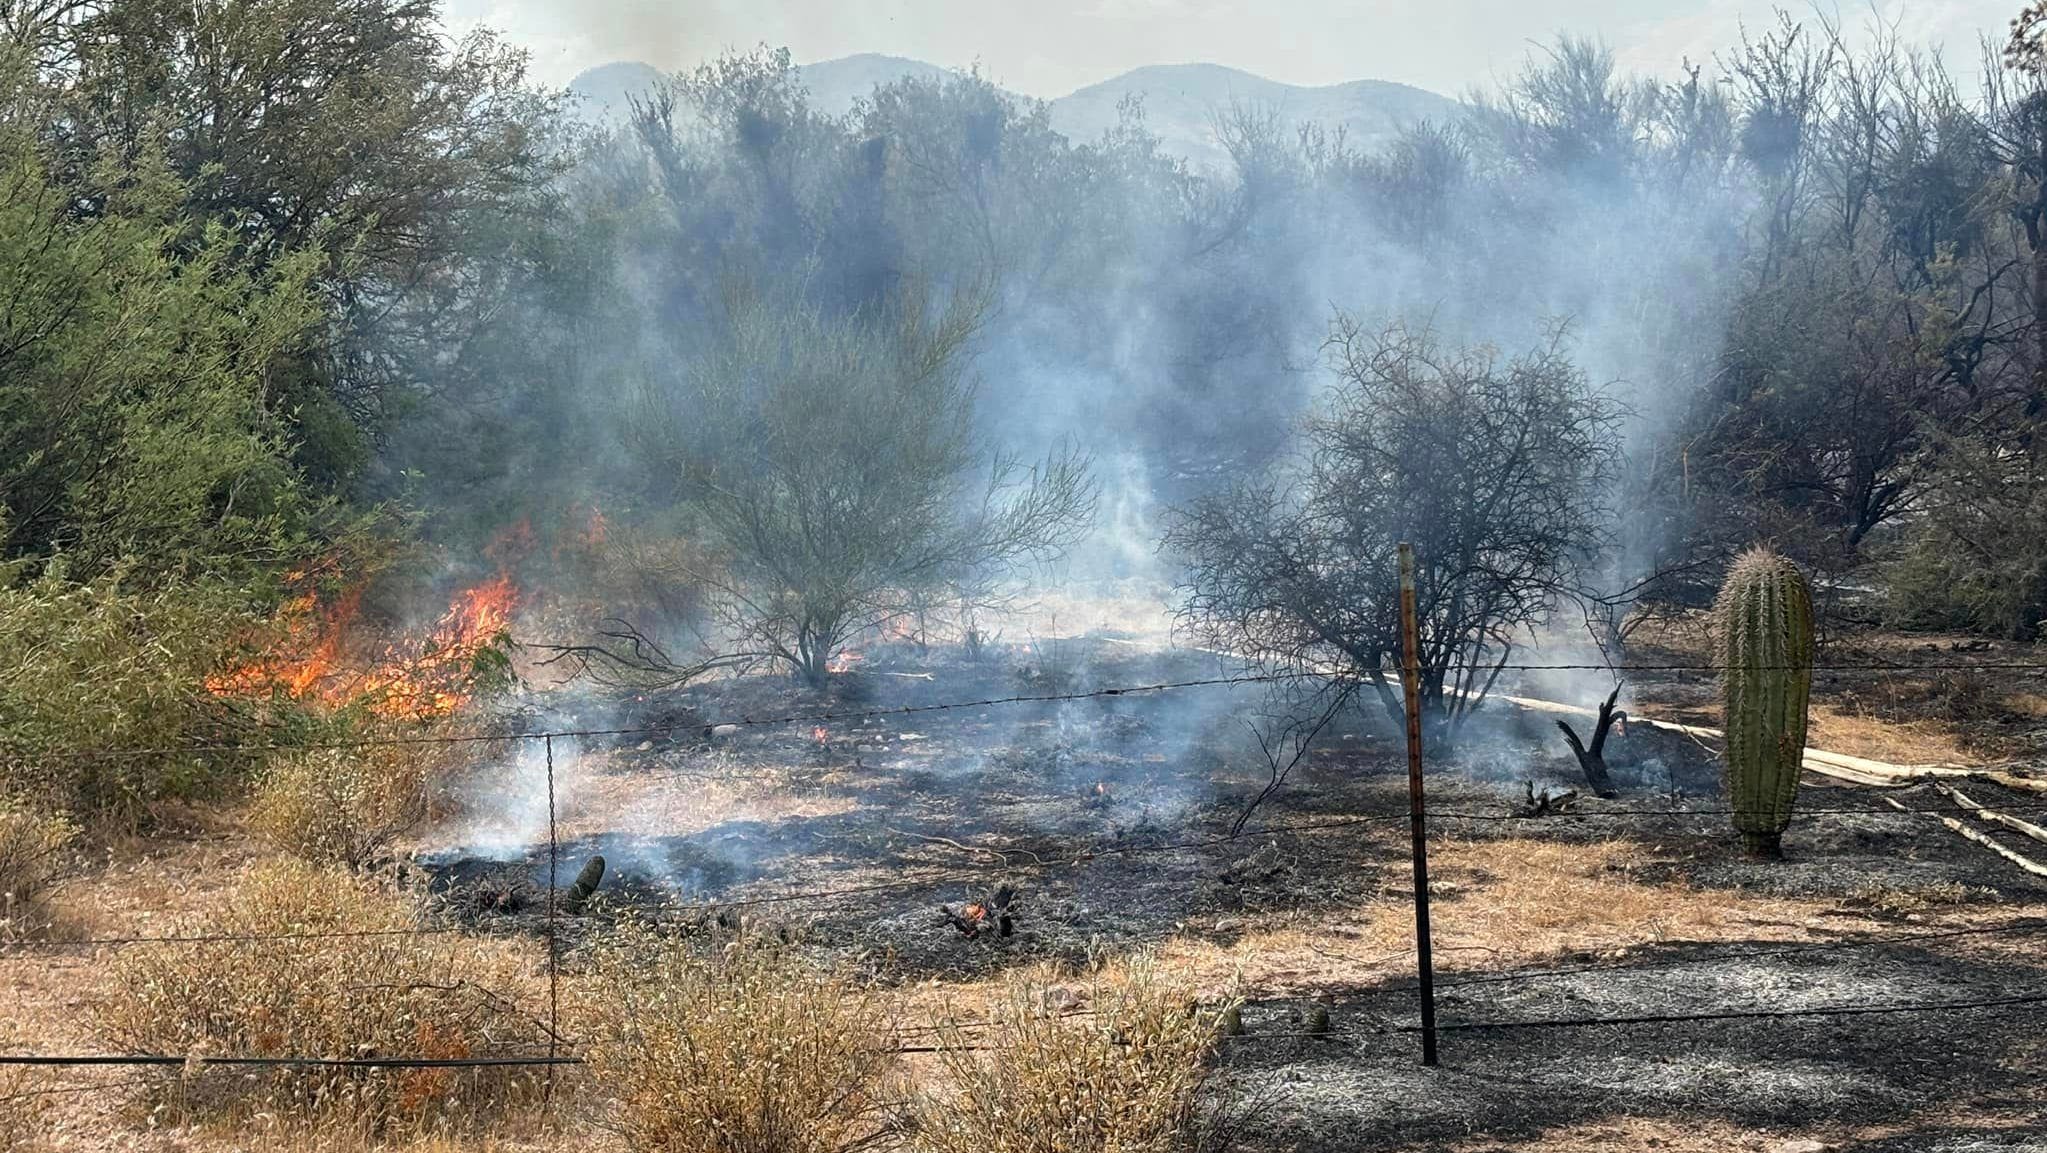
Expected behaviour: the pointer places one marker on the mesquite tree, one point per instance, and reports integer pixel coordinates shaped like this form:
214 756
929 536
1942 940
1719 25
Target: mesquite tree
831 464
1494 469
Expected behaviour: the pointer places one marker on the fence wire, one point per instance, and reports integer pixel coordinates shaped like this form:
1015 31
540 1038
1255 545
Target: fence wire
553 1057
843 715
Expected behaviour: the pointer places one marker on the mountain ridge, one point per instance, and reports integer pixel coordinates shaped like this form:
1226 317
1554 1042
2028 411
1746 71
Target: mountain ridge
1180 100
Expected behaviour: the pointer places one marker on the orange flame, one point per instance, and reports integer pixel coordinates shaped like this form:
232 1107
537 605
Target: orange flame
431 677
844 662
309 649
422 677
820 734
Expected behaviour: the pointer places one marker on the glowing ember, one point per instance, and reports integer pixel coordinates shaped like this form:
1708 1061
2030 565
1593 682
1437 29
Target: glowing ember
820 734
844 662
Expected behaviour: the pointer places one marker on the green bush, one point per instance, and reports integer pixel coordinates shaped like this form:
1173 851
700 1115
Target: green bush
100 665
1975 560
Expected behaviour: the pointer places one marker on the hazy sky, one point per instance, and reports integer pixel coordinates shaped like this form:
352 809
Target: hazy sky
1047 49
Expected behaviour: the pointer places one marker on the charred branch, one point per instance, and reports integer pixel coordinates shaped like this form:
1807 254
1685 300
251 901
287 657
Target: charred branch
1592 757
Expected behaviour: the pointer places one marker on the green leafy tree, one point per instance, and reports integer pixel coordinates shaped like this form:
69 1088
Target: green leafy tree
413 162
138 418
832 463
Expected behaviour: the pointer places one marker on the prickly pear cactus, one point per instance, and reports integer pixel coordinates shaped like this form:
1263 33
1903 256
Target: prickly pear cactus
1764 622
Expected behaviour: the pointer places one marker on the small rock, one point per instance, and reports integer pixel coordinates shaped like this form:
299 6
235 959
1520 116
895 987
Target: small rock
643 746
1060 998
1801 1145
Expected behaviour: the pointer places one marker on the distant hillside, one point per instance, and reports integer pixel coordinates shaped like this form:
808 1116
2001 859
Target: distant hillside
1179 99
605 90
835 84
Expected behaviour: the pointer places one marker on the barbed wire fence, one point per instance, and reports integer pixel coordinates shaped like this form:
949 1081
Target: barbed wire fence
554 1058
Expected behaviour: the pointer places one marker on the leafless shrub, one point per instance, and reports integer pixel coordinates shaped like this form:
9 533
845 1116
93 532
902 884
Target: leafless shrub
1295 713
1493 471
975 639
1052 666
1127 1077
386 992
741 1051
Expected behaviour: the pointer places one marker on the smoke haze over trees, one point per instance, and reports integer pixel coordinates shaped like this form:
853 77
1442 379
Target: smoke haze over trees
289 274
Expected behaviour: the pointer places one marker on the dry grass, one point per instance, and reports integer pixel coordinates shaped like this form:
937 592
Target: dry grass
20 1114
1037 1078
1849 728
33 845
2032 705
1897 900
347 806
1498 904
741 1051
1526 900
1632 1135
390 995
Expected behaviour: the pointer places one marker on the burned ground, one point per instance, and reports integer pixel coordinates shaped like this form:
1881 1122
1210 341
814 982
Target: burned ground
1110 818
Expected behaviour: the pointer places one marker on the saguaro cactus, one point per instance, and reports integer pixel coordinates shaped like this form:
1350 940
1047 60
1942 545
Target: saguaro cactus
1764 619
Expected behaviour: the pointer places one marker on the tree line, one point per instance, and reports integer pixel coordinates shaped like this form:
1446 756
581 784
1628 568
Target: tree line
286 279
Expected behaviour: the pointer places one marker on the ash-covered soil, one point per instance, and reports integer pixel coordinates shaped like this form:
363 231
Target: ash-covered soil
1111 820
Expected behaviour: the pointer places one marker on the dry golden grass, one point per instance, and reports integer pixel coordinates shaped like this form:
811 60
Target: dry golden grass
1848 729
1527 900
20 1113
395 995
1034 1078
33 845
347 806
1497 904
1631 1135
741 1051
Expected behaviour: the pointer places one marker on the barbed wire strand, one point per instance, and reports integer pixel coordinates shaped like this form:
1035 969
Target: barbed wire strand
2021 926
1616 1021
67 1060
828 716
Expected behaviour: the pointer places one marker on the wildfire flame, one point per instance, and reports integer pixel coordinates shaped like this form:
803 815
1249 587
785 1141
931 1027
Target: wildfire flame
310 645
430 677
844 662
820 734
423 676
